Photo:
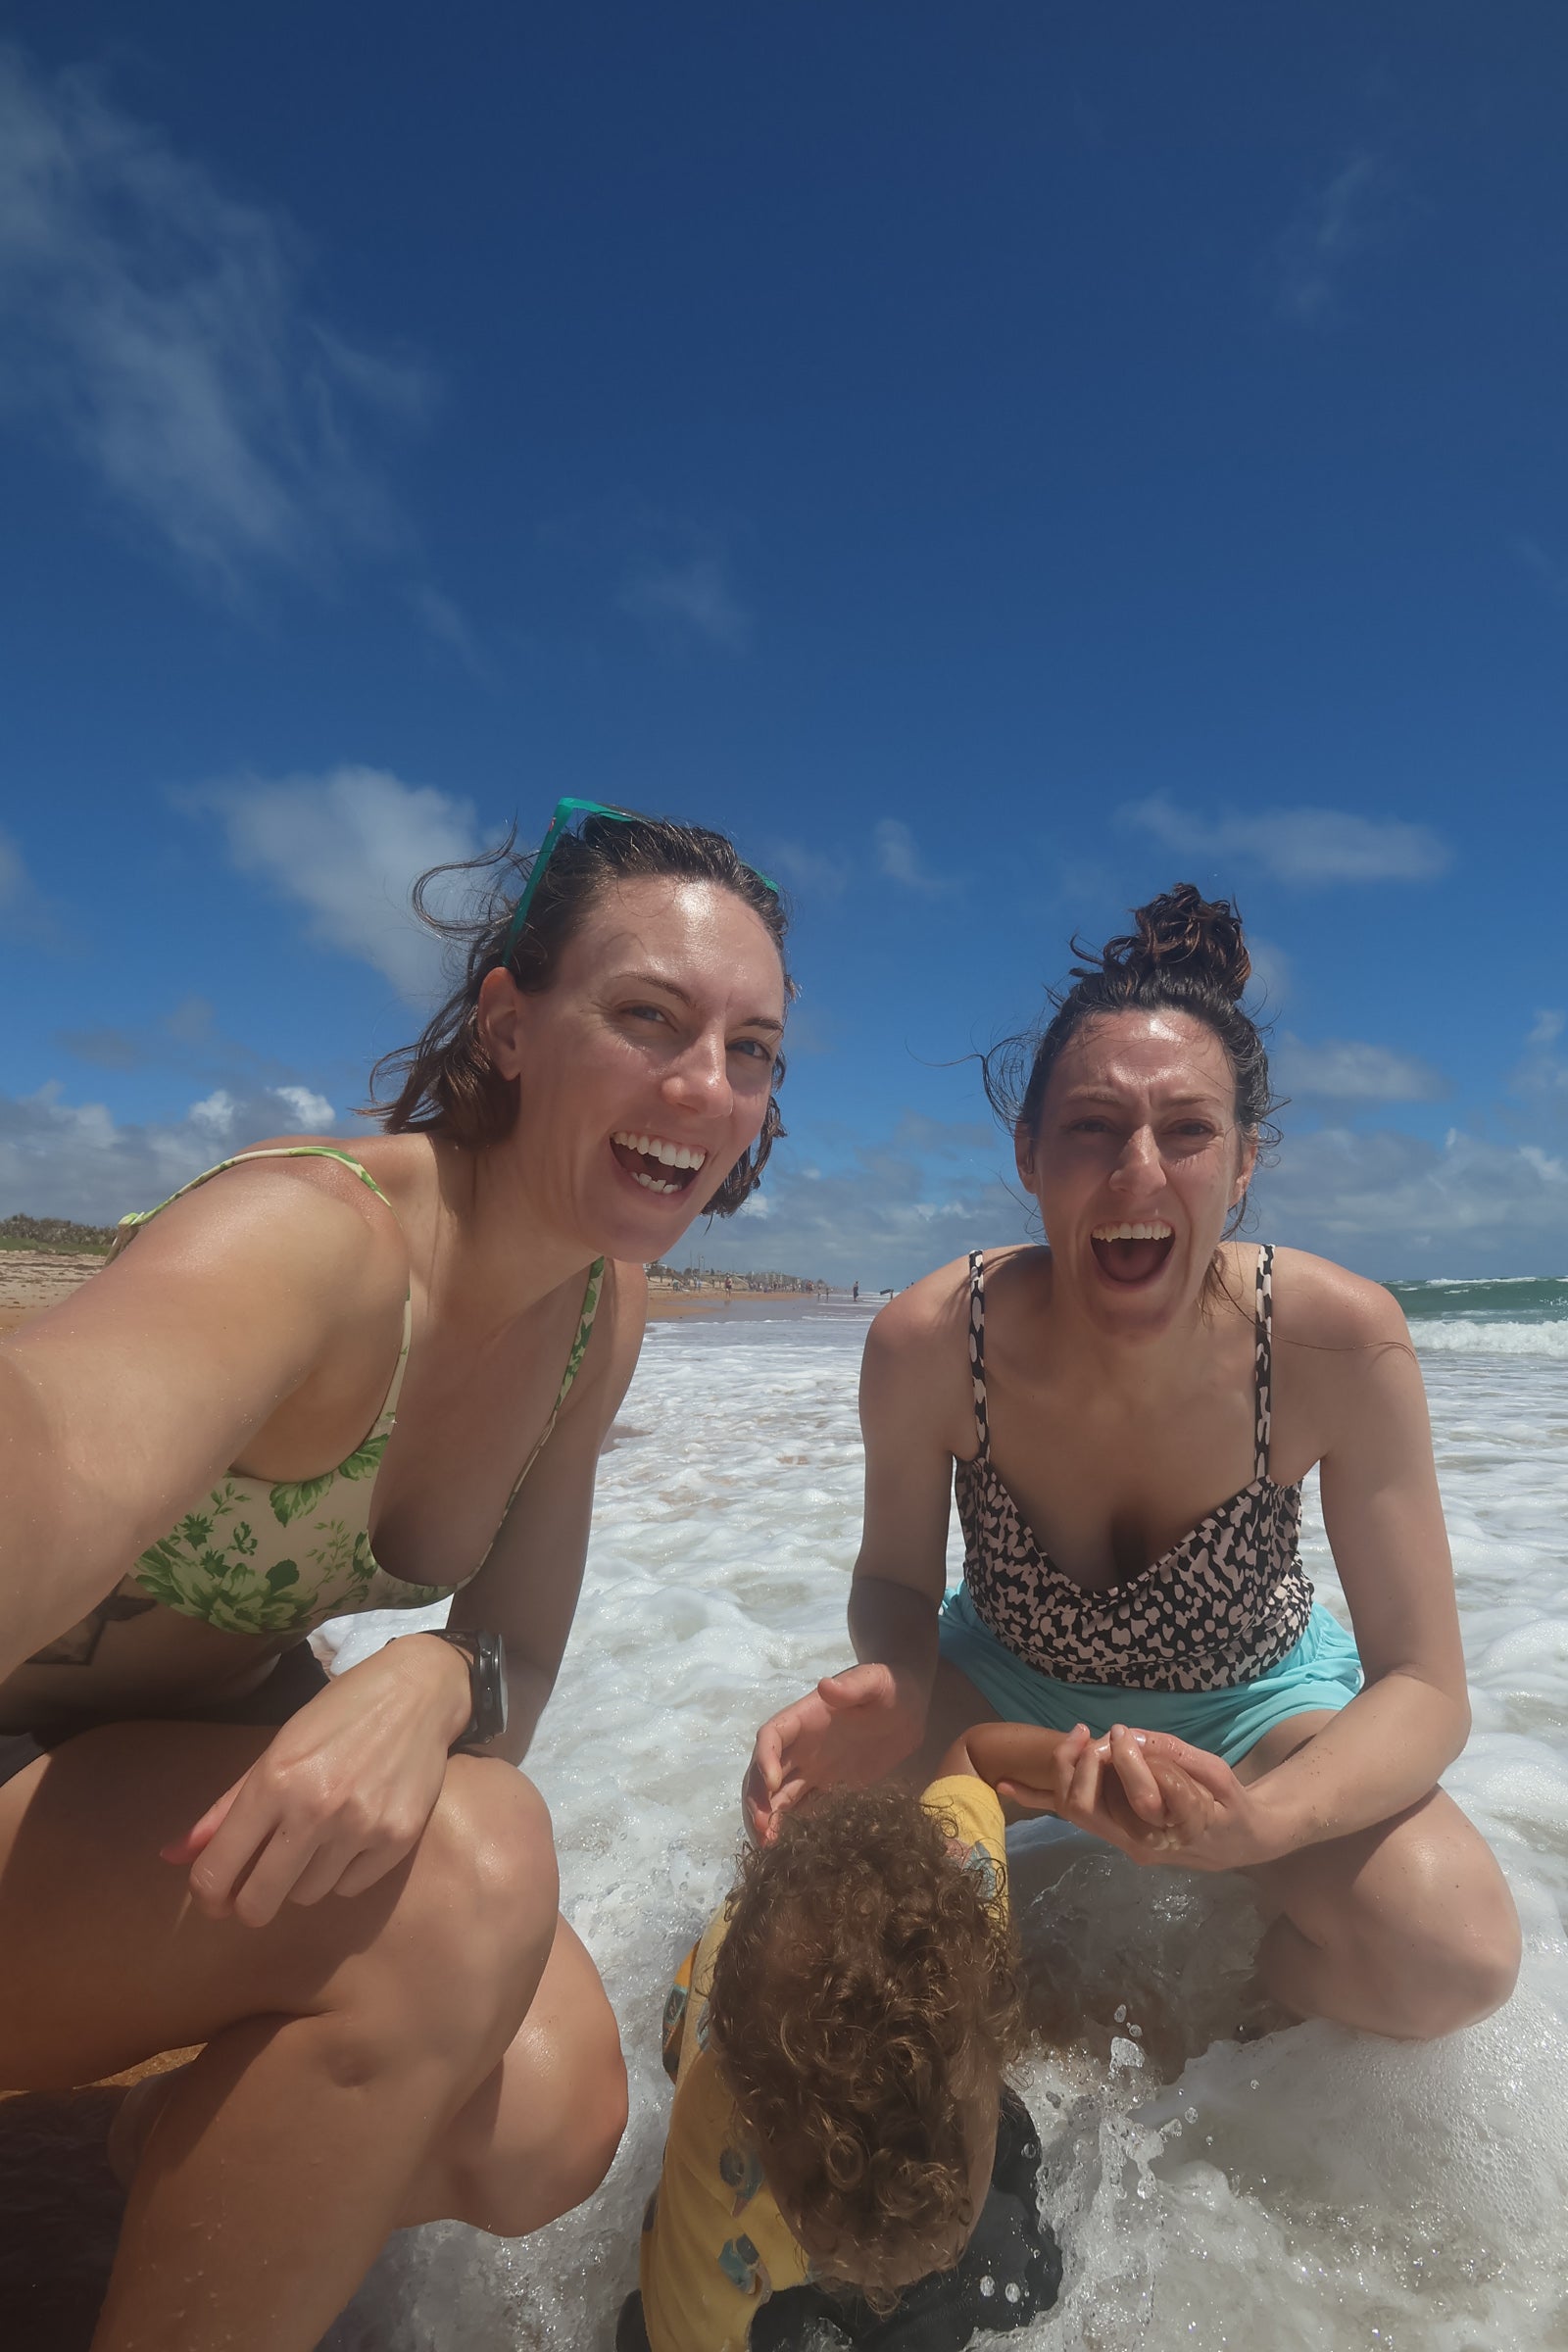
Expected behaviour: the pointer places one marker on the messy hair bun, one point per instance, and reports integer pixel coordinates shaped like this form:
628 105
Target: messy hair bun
1187 955
1179 933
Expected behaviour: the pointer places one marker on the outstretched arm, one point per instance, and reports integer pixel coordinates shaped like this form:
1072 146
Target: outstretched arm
858 1726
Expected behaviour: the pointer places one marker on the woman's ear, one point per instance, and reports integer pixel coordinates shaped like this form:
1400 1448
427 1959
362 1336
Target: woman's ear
501 1016
1248 1169
1023 1152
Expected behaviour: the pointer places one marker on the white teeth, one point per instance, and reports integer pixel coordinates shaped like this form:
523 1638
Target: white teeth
653 1147
652 1184
1131 1233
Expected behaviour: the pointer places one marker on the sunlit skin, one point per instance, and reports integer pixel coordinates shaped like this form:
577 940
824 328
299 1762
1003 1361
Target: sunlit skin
664 1020
361 1929
1138 1124
1121 1415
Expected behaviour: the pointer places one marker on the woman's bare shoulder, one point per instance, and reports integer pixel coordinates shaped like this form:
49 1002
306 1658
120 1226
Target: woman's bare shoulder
1320 1304
924 1312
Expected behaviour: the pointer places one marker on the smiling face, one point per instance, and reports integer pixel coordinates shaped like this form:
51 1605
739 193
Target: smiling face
1136 1163
646 1067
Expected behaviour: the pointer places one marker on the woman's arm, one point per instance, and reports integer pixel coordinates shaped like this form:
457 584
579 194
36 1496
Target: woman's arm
860 1725
137 1391
1383 1519
344 1790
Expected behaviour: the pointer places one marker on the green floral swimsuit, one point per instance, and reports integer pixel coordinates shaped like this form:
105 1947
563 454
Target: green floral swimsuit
265 1558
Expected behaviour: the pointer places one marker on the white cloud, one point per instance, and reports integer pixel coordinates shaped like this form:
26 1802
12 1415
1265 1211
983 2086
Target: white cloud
898 858
347 847
690 598
1541 1076
73 1159
155 327
1391 1204
1347 1071
1350 215
313 1112
1305 845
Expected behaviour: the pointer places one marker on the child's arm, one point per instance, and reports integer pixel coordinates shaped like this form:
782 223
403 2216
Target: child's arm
1150 1798
1017 1759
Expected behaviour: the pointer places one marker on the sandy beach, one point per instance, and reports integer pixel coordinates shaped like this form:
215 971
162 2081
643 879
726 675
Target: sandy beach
33 1278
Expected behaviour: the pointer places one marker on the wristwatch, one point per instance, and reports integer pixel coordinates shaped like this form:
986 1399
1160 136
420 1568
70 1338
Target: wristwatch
486 1655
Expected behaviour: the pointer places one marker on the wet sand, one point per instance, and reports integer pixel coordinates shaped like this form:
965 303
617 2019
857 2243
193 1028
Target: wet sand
33 1278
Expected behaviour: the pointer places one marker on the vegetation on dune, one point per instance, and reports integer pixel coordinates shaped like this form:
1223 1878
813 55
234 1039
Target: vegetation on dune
55 1232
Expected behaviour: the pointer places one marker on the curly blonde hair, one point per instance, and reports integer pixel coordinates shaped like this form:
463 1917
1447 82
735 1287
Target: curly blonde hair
863 2008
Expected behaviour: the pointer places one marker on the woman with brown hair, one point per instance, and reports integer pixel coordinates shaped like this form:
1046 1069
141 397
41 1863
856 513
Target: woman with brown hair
1087 1401
323 1380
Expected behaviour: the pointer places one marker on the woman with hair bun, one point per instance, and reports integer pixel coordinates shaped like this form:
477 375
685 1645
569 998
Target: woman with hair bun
327 1378
1125 1417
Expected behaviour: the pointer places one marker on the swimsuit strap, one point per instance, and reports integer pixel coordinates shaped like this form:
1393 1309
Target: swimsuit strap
579 1348
977 1346
132 1224
1264 1348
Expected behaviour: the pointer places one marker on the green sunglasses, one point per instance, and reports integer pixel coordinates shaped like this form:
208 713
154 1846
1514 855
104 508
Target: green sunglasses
566 814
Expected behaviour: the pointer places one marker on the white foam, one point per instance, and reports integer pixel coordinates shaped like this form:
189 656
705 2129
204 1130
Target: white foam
1361 2187
1445 1335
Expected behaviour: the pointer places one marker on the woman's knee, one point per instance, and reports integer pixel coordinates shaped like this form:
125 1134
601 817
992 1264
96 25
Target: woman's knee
1448 1947
463 1952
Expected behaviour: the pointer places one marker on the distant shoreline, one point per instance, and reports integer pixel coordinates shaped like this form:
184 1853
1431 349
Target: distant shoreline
34 1276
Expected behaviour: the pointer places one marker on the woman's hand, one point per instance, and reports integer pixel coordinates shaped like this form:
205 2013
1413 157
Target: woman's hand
1155 1798
851 1729
342 1793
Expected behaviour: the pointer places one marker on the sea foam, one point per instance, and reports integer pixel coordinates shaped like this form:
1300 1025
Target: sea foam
1312 2190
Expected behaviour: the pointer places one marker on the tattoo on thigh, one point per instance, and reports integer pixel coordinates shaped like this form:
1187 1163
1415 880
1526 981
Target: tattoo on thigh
78 1646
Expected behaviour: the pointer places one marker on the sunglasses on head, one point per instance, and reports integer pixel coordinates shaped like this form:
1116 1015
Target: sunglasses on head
568 814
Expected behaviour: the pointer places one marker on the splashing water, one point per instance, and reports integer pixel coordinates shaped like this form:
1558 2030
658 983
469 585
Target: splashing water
1313 2190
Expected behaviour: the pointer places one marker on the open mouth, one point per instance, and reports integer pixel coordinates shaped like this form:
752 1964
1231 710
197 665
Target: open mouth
657 1165
1128 1255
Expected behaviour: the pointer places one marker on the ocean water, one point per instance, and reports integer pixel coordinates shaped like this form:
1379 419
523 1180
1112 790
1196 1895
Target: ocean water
1311 2190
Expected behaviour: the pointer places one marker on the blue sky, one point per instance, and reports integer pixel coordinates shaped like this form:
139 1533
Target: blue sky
994 460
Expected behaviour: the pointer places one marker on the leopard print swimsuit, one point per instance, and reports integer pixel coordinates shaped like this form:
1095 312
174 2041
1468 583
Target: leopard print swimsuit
1219 1608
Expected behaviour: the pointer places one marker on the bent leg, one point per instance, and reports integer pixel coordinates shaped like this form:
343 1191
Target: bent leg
342 2039
540 2132
1407 1929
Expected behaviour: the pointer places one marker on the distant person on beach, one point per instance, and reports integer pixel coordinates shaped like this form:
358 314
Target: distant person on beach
844 2151
1087 1403
415 1345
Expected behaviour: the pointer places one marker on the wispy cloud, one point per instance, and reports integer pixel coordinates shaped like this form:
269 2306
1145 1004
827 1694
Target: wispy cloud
899 859
688 601
1349 216
345 847
1345 1070
818 873
1541 1077
1307 845
155 327
25 911
449 625
60 1158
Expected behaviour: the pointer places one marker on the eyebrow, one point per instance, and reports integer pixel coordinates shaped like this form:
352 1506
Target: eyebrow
673 988
1101 1094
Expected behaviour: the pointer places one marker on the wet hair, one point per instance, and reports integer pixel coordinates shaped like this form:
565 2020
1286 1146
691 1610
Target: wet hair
447 1084
863 2004
1188 956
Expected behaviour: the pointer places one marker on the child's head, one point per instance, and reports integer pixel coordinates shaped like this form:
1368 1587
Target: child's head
863 2010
